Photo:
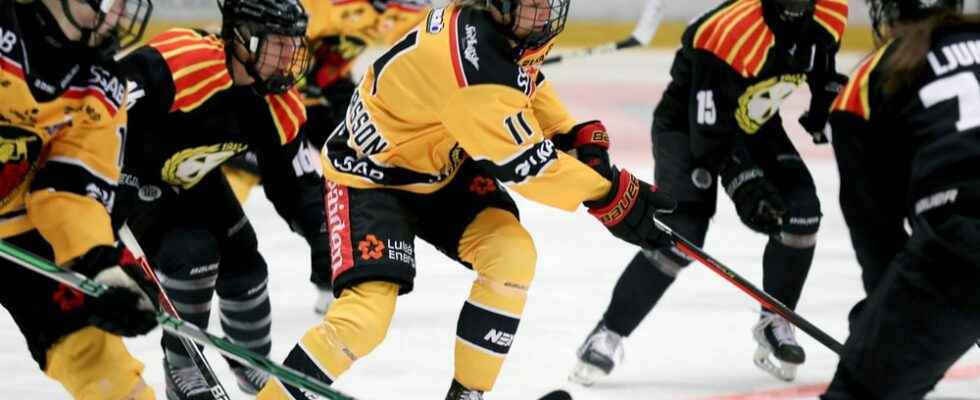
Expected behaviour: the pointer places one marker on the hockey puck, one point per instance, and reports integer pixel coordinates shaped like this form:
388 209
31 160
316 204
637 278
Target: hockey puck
557 395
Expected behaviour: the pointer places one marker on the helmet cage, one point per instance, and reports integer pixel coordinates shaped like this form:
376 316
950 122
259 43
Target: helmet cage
545 19
272 34
130 16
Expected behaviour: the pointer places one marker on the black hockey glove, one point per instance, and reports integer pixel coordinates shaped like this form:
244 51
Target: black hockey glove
759 205
629 208
815 119
588 142
128 307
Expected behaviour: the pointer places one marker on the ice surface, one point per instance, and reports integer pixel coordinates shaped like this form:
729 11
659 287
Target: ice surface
696 344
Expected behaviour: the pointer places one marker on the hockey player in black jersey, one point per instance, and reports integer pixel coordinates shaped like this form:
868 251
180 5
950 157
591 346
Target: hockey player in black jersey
62 119
203 99
719 117
339 33
919 96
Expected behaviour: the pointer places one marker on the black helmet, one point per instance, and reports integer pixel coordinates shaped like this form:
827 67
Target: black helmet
273 34
553 15
790 10
885 13
130 17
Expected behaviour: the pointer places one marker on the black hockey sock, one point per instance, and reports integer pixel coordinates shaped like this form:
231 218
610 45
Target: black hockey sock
784 270
247 319
187 266
639 288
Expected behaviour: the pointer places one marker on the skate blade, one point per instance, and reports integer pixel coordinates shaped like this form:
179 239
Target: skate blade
785 371
586 374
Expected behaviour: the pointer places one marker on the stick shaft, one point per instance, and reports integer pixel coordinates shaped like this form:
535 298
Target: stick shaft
765 299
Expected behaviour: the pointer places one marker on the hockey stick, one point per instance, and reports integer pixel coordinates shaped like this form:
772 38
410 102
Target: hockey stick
641 36
92 288
195 353
762 297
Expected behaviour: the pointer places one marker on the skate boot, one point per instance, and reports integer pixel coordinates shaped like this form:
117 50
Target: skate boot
459 392
250 380
324 297
777 337
597 357
185 382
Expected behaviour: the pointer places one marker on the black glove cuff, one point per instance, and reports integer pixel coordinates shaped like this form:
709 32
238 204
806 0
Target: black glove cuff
96 260
734 183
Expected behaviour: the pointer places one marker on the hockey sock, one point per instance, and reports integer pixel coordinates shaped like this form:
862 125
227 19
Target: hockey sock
639 288
94 365
247 319
187 266
784 270
503 255
356 323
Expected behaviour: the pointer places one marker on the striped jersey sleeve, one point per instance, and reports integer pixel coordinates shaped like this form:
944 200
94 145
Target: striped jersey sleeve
288 114
854 98
196 64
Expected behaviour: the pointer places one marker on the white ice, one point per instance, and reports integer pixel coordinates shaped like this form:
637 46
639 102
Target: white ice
695 345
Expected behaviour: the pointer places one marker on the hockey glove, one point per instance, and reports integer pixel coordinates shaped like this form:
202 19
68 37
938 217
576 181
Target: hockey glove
128 307
629 208
588 142
815 119
758 204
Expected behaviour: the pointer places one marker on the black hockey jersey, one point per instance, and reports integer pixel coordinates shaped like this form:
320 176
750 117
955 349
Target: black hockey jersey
736 66
906 149
189 118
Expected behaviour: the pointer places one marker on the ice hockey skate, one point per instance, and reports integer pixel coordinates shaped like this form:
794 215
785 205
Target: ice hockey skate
777 337
185 382
250 380
601 352
459 392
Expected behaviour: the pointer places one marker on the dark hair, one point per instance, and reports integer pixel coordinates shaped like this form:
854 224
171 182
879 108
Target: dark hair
912 41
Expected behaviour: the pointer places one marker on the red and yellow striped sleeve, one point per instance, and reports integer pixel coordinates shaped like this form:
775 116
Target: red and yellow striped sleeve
288 114
197 66
832 16
738 35
854 97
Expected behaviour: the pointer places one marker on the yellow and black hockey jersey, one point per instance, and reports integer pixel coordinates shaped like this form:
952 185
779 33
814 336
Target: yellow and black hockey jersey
448 91
189 118
737 64
340 31
61 124
906 147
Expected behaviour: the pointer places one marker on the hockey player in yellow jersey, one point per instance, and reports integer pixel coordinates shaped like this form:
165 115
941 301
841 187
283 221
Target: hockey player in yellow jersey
339 32
62 122
441 123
